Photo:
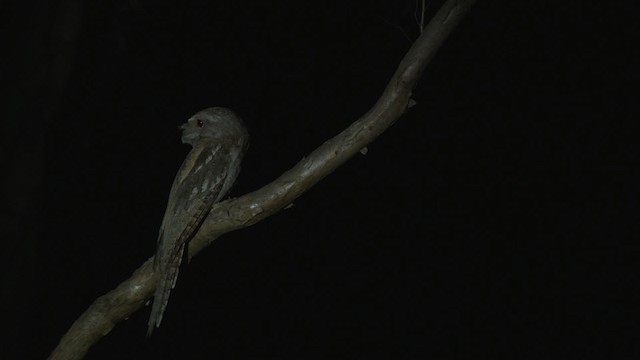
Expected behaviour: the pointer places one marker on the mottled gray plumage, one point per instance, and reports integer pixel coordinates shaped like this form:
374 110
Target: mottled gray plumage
219 140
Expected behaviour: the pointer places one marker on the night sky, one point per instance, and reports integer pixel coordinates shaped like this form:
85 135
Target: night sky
494 220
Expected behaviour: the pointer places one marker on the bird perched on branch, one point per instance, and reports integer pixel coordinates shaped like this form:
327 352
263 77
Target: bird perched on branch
219 139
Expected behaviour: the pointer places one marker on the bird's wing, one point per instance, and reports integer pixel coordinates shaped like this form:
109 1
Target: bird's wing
197 186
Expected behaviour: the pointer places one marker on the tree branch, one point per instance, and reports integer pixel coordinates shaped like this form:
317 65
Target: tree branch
234 214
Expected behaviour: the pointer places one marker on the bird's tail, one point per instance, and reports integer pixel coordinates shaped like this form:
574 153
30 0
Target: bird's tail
168 277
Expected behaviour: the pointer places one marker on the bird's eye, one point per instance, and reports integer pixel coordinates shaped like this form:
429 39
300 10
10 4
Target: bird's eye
199 123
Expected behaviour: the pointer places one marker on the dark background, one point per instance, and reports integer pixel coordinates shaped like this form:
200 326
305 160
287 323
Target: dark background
496 219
